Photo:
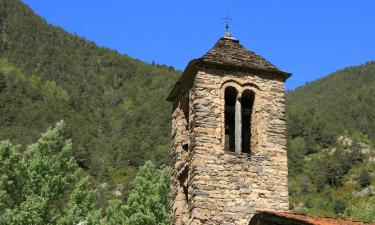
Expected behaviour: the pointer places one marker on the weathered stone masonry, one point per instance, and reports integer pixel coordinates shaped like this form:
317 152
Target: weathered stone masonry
211 185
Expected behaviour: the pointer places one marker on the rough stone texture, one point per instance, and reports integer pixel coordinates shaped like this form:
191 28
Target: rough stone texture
179 155
229 51
210 185
366 192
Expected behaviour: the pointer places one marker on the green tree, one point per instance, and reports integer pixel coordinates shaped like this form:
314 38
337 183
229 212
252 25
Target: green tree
44 185
113 105
364 178
363 210
339 206
115 213
148 202
149 196
34 183
296 154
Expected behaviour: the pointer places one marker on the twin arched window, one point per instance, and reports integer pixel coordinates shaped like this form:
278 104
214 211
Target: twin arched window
238 111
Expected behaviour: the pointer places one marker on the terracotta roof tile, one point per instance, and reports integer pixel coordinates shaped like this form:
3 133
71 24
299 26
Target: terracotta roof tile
292 218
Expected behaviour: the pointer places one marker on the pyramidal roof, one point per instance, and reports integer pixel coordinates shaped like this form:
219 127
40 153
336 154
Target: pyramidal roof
229 51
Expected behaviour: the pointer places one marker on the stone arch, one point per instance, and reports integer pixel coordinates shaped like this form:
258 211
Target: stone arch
244 134
251 86
240 86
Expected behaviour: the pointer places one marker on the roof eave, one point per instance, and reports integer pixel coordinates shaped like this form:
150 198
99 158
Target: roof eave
193 64
285 75
188 70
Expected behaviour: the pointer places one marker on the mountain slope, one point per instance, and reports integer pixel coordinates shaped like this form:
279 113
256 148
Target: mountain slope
331 155
114 106
345 100
115 109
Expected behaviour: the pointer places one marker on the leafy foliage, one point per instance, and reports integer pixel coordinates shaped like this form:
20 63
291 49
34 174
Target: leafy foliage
116 114
148 201
114 106
149 196
34 183
330 129
44 185
329 107
364 178
364 210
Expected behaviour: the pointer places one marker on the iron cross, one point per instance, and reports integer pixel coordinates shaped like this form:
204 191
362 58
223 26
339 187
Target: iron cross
226 18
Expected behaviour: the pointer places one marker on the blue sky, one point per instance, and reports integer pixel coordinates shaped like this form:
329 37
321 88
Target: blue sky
309 38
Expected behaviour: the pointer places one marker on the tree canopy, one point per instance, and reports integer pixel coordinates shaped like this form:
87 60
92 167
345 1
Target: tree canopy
44 185
114 106
116 115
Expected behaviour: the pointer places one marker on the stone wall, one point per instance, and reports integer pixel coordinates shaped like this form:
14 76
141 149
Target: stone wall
179 155
223 187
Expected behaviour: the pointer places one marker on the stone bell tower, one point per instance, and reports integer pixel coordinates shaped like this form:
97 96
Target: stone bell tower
228 138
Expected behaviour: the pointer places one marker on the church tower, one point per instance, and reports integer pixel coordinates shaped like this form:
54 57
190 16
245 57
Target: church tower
228 138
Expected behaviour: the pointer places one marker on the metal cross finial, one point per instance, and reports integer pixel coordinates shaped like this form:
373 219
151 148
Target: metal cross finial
227 33
226 18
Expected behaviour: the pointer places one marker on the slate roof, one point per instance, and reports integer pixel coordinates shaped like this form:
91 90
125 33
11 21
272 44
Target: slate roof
284 218
228 51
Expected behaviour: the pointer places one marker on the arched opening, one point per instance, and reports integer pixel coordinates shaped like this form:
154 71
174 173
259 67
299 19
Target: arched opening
247 103
229 117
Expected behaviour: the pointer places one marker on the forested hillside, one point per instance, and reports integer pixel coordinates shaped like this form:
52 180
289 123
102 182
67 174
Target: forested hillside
114 106
343 101
116 115
42 184
331 155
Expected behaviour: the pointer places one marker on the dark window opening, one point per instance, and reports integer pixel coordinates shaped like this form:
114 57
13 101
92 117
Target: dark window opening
185 146
247 102
229 117
185 188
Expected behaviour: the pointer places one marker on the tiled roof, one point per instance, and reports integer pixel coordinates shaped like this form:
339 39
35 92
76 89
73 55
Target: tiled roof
228 51
280 218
